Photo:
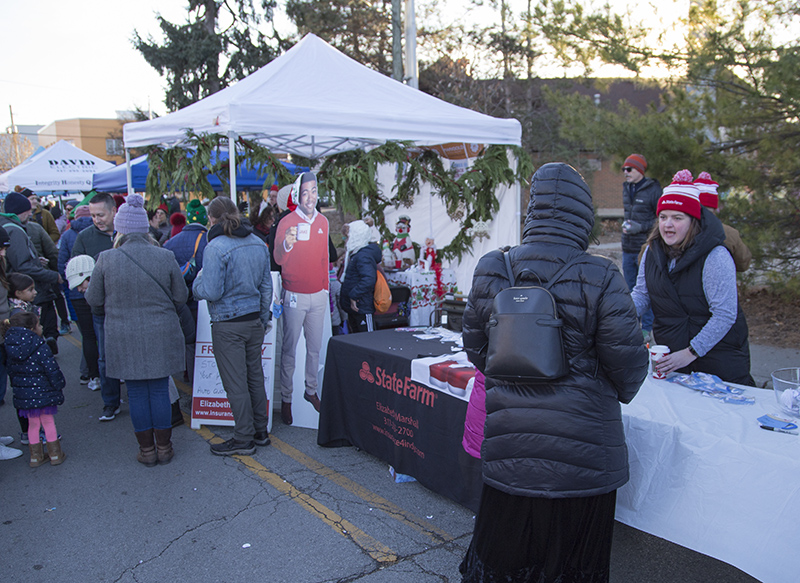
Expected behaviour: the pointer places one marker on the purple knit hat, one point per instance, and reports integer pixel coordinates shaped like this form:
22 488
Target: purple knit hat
131 216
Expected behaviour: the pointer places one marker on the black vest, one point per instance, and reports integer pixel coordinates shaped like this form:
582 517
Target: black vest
680 308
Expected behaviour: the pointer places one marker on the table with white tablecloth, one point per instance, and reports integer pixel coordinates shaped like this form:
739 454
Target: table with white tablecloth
423 291
705 476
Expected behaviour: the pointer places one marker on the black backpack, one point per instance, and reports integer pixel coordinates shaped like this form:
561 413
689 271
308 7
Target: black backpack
524 332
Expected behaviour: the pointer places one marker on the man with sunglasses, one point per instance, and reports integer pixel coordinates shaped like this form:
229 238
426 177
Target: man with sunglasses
640 200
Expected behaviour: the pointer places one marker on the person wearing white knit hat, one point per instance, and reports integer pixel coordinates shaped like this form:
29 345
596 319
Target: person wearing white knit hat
688 278
709 198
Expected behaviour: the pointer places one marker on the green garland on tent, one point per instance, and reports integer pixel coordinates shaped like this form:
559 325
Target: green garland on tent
350 179
174 166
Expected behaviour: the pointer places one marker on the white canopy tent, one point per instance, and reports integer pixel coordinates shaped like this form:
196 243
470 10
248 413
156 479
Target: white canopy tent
314 101
61 167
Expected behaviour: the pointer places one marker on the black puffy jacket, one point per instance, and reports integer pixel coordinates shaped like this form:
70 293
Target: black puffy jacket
563 438
640 207
35 377
359 280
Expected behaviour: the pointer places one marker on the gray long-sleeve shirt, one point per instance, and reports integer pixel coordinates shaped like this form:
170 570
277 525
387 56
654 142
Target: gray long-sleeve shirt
719 287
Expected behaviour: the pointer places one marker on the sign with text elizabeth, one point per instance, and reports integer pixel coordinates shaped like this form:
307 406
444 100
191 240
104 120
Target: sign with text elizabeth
210 406
373 402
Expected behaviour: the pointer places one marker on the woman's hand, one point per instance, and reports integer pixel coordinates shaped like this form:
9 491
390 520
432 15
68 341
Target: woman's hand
674 361
354 306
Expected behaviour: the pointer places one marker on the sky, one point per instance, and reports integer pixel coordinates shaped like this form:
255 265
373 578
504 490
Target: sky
65 59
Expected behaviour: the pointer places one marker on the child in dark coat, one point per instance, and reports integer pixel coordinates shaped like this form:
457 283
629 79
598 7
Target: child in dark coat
37 383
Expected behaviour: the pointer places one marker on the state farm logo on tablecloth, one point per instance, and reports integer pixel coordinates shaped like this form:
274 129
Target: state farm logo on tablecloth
403 386
365 373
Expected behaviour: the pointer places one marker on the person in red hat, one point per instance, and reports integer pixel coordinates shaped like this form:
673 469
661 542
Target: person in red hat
688 278
709 198
639 200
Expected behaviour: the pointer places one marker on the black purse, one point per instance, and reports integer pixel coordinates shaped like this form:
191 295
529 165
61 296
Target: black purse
524 330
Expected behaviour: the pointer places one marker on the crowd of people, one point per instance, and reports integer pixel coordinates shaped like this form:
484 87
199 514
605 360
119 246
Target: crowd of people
93 253
553 452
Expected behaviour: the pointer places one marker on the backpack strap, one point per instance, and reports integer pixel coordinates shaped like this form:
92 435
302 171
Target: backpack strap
509 271
554 279
197 243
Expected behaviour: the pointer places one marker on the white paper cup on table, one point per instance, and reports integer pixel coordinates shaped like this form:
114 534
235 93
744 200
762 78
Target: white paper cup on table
657 352
303 232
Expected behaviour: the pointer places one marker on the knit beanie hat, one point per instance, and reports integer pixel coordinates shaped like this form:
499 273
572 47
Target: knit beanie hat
178 222
16 203
708 190
196 212
637 162
83 211
78 269
131 216
681 195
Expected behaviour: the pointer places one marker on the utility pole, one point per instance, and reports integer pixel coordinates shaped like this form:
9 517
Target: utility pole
397 40
412 75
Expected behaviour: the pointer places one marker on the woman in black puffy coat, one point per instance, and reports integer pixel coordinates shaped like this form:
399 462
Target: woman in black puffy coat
554 452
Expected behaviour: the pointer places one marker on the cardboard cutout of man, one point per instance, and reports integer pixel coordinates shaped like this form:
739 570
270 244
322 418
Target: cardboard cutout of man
301 249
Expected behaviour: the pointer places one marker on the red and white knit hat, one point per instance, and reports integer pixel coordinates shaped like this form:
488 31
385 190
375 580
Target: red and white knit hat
708 190
681 195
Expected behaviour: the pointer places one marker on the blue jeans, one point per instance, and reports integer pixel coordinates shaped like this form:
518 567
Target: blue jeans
109 388
630 269
149 403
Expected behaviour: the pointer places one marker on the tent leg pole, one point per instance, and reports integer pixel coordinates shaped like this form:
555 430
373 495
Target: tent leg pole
232 160
128 170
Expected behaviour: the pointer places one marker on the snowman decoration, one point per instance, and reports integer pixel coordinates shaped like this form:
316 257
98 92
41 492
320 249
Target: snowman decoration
402 248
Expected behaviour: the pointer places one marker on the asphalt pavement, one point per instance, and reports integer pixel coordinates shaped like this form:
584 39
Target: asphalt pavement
293 512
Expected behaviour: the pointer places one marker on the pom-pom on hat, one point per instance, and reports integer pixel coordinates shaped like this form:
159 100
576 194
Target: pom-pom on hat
17 203
681 195
131 216
637 162
708 190
196 212
78 269
178 222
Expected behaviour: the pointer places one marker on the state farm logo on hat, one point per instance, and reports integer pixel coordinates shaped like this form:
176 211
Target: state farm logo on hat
681 195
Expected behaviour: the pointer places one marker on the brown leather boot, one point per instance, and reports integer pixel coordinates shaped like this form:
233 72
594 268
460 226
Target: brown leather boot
38 455
286 413
147 448
164 450
54 452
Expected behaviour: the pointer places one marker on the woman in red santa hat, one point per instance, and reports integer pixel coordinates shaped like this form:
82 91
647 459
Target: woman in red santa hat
688 278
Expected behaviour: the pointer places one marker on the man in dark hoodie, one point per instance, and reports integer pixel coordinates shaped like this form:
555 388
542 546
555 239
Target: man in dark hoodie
23 258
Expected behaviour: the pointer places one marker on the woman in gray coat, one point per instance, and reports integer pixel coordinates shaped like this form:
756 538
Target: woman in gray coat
138 285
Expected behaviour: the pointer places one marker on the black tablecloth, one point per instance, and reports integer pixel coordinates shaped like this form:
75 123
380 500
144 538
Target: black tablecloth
370 401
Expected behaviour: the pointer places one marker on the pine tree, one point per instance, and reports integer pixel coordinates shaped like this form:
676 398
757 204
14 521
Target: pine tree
201 57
